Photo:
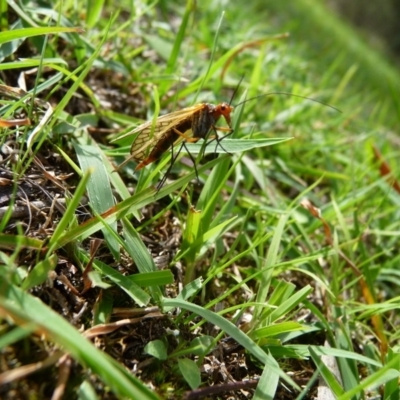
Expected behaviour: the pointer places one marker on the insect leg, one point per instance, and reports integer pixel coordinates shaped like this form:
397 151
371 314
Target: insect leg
218 139
193 161
173 159
188 140
164 178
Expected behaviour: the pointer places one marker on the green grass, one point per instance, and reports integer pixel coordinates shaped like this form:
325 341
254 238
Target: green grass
285 251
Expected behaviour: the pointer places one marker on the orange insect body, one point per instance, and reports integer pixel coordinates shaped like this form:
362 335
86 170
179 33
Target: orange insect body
187 125
154 138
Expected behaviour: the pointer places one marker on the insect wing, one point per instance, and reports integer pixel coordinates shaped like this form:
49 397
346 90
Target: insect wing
148 136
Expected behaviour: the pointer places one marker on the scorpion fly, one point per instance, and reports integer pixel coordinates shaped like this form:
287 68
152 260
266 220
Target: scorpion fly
154 138
182 126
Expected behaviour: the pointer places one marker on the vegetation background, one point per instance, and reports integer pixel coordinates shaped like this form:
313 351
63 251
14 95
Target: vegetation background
270 272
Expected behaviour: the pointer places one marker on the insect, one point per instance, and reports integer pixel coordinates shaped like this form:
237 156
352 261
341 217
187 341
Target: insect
188 125
183 126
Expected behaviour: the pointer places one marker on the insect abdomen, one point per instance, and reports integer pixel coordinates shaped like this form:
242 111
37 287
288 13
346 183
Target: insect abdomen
165 143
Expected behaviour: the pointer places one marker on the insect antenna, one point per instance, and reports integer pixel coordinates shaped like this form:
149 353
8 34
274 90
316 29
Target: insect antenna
281 93
236 90
219 139
287 94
